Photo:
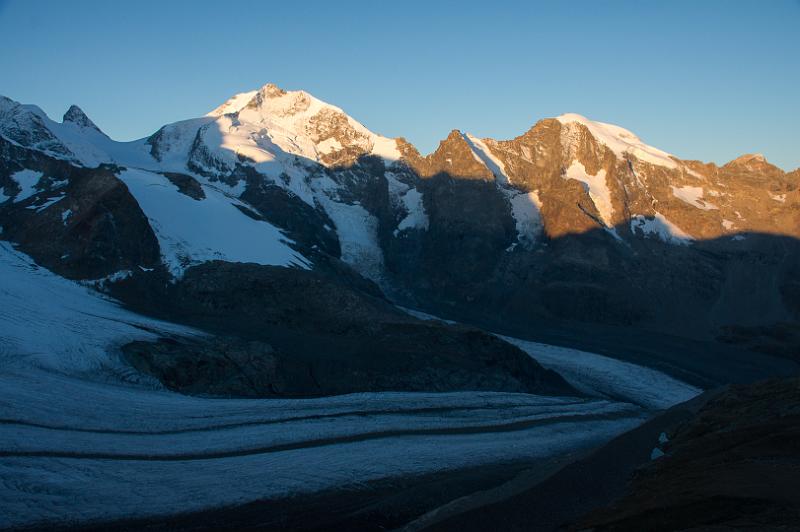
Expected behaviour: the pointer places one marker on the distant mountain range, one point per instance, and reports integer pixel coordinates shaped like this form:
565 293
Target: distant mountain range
573 222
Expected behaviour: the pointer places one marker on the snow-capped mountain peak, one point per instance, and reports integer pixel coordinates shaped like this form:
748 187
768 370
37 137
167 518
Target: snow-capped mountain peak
620 141
76 116
253 124
29 126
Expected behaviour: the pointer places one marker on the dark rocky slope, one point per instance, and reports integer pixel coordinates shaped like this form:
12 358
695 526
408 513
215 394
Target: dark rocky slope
734 466
730 463
307 333
92 226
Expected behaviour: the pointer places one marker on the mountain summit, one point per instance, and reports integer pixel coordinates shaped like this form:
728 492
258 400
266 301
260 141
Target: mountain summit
76 116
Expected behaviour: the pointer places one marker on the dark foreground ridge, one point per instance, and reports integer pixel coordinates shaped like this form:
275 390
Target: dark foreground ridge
730 462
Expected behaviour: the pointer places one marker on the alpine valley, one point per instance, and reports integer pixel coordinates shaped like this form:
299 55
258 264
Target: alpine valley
270 317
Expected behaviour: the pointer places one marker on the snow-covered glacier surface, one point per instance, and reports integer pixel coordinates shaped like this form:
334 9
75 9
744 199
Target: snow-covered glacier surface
85 438
601 376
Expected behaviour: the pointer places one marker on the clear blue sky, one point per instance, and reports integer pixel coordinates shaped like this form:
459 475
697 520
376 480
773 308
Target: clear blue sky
708 80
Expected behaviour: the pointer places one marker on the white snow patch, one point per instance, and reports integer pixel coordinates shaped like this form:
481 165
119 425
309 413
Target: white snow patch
693 196
47 202
656 453
424 315
621 141
484 155
694 173
330 145
191 231
526 210
416 218
27 181
727 224
597 188
386 149
781 198
660 226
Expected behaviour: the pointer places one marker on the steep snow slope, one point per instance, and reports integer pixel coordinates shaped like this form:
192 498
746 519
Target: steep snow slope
50 323
659 226
233 104
215 227
621 141
596 187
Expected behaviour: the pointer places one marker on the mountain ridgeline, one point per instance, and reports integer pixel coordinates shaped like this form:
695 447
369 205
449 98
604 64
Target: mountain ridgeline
574 223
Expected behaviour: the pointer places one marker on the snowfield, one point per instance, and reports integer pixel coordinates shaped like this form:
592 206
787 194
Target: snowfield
193 231
83 437
693 196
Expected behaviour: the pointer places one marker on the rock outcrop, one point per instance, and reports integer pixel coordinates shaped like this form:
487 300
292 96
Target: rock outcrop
306 333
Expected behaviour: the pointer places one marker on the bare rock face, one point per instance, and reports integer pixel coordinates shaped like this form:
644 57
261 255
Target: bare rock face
78 222
470 224
628 234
